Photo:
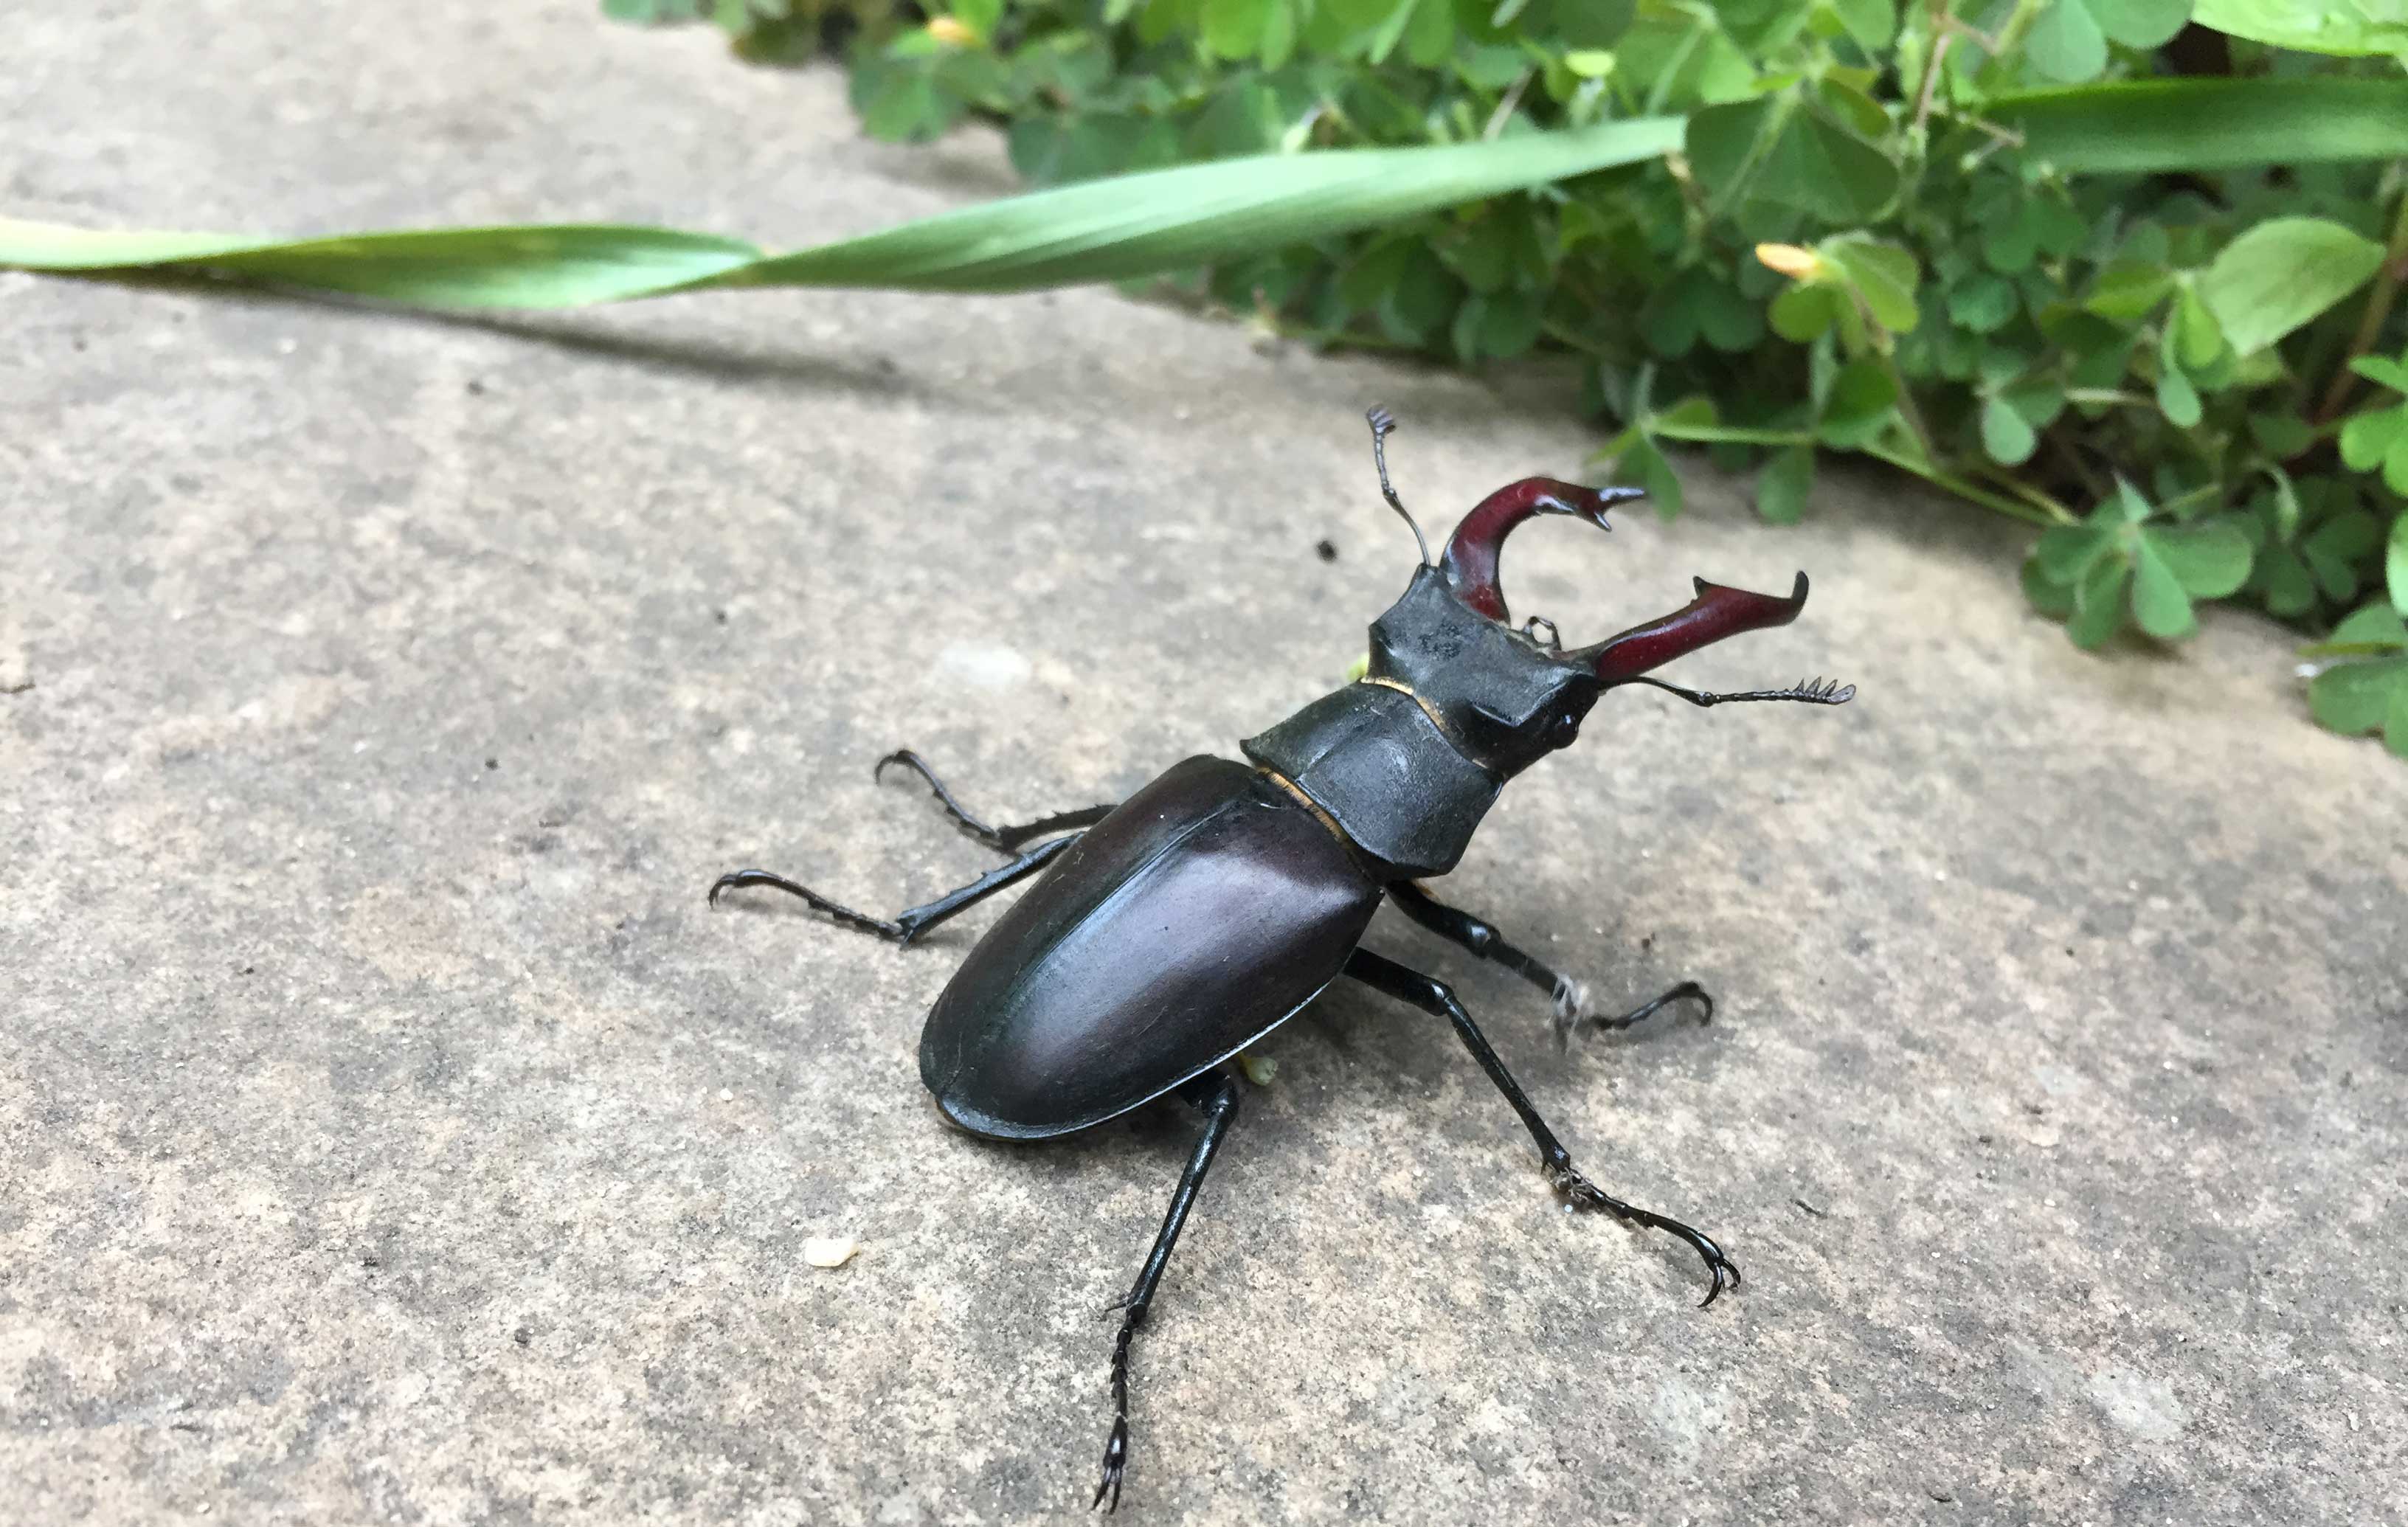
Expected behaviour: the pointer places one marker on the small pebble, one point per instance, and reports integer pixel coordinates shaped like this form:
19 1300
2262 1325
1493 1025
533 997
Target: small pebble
829 1250
726 1094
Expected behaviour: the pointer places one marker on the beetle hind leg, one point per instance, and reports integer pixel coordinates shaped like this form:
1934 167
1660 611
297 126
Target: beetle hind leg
1435 997
1002 839
1215 1092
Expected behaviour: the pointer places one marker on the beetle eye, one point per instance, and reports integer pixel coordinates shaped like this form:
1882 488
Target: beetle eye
1567 728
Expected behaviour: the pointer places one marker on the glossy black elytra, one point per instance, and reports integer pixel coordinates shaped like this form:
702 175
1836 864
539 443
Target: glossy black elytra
1169 932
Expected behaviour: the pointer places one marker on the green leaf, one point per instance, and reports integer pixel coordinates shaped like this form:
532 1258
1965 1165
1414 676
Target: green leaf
2282 274
2199 339
2280 436
2210 560
2141 23
1644 464
1780 151
2176 398
2286 504
2066 42
1882 273
1781 492
1983 303
1234 28
2283 580
2337 550
2099 603
2358 697
2065 553
1802 313
1859 409
1871 23
2070 40
2395 565
2127 290
1107 230
2376 626
2053 600
2147 126
2311 26
2367 438
2158 602
2382 371
2009 441
1676 59
2011 244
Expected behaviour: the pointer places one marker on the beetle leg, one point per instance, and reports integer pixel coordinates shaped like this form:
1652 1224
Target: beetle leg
1002 839
1216 1093
1569 996
1435 997
906 925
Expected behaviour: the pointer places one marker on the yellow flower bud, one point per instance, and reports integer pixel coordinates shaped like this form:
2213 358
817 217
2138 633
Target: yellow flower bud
953 32
1791 260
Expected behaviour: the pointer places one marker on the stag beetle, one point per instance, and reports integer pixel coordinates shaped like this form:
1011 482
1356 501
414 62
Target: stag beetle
1173 930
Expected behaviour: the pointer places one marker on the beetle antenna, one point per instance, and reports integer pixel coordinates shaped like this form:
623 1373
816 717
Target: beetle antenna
1382 422
1814 691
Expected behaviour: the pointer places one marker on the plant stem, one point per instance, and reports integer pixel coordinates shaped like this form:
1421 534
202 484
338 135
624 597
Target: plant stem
1941 37
1730 434
2011 509
2029 495
2394 270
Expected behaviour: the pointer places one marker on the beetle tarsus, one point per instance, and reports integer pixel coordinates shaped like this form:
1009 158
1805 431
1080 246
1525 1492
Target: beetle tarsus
1581 1193
1116 1446
1002 839
745 878
1691 990
1435 997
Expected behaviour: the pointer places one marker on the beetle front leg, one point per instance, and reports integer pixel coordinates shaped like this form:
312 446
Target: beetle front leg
1216 1093
1002 839
1570 997
1435 997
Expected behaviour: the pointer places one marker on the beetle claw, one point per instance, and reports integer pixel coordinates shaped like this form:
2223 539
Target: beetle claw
1115 1464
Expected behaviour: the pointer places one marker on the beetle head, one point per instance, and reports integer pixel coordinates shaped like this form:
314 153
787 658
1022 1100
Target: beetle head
1507 696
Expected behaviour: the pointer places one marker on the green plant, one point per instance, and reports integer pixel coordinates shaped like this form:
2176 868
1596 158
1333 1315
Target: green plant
2109 266
2115 267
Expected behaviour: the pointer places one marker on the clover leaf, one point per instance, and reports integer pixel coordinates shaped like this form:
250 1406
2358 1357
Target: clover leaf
2379 436
2083 574
2367 690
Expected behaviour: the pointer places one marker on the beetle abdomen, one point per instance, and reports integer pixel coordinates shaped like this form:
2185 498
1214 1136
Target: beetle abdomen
1202 913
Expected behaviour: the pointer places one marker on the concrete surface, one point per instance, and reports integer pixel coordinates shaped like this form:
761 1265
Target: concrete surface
389 1134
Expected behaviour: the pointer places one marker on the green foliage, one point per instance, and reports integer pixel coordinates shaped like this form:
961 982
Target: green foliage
2366 690
2059 257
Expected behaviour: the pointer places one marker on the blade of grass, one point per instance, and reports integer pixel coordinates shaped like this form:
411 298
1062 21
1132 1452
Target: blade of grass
1108 230
2139 126
558 266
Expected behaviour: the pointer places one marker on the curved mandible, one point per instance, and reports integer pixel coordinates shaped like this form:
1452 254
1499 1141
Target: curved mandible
1715 613
1471 560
